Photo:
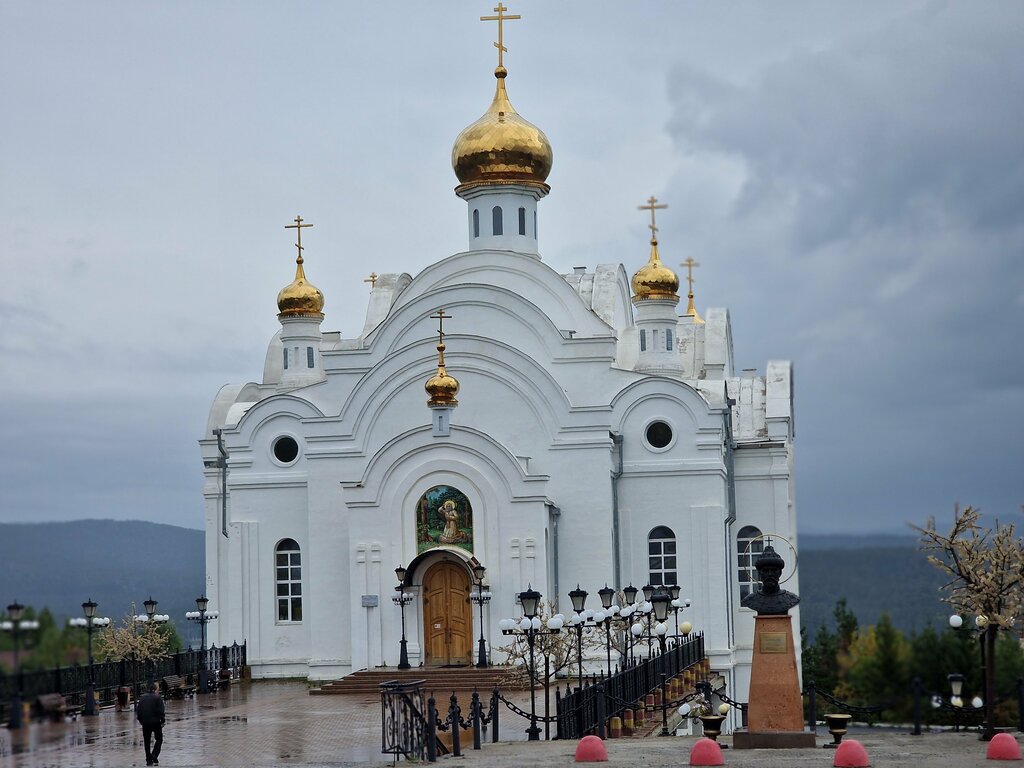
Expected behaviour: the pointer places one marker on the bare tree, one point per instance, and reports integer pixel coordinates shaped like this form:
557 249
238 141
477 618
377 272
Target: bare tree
986 568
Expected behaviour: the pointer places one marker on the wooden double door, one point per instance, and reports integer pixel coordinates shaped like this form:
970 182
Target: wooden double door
447 616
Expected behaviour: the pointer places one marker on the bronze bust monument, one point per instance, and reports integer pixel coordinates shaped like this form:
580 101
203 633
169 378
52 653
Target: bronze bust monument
770 599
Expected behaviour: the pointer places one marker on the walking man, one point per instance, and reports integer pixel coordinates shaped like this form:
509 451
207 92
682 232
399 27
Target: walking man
150 714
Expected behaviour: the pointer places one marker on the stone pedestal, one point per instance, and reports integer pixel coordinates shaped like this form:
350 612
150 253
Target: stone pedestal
775 716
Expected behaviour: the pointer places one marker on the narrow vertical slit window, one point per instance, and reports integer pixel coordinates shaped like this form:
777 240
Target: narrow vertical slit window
496 228
643 340
668 340
476 222
285 350
522 221
309 357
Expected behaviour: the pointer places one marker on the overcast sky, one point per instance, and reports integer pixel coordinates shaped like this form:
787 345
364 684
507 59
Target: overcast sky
849 175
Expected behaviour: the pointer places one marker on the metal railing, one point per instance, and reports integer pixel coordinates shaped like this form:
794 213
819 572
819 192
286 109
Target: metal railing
585 709
223 664
403 720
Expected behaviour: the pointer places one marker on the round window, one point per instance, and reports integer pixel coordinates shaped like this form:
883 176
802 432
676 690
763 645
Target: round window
286 450
659 434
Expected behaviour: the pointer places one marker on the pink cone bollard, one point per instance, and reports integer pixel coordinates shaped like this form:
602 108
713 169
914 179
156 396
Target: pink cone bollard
1003 747
851 754
591 750
706 752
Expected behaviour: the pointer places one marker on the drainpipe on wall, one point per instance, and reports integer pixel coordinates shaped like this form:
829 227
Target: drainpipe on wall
222 462
553 514
730 517
616 543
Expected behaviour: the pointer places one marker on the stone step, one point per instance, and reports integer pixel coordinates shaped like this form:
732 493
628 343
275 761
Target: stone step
368 681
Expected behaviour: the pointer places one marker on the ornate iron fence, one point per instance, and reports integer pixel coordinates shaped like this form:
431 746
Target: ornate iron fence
403 720
224 664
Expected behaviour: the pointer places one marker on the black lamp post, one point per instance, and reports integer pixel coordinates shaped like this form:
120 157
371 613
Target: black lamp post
578 597
530 600
89 609
480 597
16 626
660 602
648 591
606 594
151 618
673 593
202 617
402 600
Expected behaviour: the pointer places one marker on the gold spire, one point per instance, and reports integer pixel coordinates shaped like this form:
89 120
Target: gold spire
300 298
372 280
441 387
500 18
690 309
501 147
654 280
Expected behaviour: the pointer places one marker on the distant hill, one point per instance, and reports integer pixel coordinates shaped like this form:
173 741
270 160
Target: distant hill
60 565
876 574
113 562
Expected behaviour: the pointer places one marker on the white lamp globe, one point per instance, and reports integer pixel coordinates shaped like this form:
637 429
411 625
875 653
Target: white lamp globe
525 624
536 622
686 628
599 616
956 621
684 710
660 629
636 630
555 622
977 702
956 701
723 708
981 621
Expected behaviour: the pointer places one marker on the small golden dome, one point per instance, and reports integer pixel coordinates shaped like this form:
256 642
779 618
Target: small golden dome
654 280
301 297
442 388
501 147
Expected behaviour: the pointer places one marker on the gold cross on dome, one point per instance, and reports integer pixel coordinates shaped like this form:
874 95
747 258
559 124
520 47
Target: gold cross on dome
441 317
652 206
501 18
372 280
298 226
690 264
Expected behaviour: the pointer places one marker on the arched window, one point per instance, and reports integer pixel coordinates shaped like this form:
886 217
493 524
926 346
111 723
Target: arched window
661 557
476 222
747 550
496 228
288 580
522 221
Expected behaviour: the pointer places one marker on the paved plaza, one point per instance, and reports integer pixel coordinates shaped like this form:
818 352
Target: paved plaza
279 723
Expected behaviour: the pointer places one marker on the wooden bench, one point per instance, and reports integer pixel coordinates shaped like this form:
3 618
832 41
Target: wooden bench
50 706
175 687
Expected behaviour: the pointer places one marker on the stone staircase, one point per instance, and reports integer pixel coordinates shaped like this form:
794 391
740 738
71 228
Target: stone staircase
440 679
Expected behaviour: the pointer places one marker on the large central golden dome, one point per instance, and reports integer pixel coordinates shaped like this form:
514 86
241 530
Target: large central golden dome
300 298
501 147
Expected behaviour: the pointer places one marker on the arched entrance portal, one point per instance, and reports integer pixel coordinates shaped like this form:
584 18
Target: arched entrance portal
447 616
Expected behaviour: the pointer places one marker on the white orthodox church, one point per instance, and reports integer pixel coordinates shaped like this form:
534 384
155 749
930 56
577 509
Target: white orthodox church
560 429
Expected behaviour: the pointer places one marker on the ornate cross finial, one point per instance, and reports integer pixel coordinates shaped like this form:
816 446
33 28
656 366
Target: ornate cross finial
501 18
690 264
372 280
652 206
441 317
298 226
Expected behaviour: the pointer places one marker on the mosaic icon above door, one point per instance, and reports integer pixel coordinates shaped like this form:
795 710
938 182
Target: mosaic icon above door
444 517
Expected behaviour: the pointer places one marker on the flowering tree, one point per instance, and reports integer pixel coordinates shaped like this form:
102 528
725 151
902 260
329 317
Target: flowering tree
986 570
554 652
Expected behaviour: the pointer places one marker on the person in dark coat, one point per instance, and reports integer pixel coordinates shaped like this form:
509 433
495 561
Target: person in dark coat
150 714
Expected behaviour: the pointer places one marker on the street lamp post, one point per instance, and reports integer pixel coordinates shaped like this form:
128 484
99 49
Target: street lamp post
673 593
606 594
481 597
530 599
648 591
16 625
90 623
402 600
660 602
987 631
578 597
202 617
150 618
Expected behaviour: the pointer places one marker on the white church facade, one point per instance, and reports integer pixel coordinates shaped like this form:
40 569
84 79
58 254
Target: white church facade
581 428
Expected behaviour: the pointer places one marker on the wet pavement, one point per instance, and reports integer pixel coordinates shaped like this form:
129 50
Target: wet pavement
279 723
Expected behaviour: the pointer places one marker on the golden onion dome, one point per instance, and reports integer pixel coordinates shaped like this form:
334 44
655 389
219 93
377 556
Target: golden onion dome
654 280
501 147
441 387
301 297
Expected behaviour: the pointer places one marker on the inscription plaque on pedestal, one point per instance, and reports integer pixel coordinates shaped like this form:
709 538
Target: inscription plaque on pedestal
772 642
